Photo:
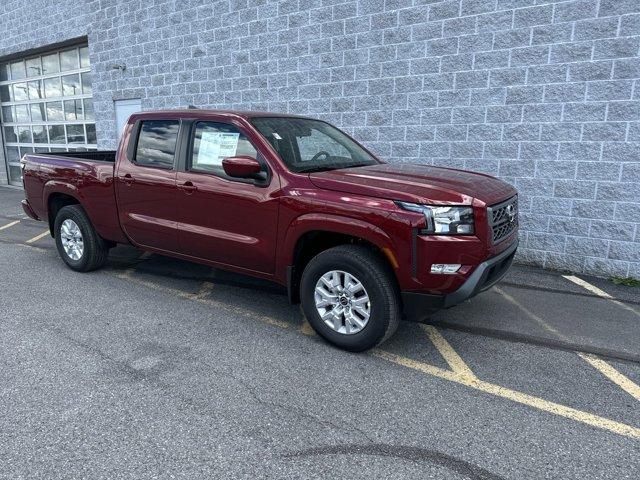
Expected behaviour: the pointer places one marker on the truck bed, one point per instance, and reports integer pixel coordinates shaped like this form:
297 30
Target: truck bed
85 176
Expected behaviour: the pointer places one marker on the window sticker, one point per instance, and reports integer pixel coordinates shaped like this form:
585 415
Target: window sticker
216 146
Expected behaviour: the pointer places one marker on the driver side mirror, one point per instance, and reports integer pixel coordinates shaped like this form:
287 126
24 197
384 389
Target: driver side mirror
242 167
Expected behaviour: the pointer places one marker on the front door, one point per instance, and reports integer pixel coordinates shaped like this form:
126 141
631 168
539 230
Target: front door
222 219
146 187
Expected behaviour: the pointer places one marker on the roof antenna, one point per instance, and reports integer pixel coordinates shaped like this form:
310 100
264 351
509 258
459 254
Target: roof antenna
192 107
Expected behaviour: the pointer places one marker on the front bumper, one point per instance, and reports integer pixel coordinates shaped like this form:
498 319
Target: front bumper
418 306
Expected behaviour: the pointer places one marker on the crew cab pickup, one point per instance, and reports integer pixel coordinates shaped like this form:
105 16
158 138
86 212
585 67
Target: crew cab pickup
360 243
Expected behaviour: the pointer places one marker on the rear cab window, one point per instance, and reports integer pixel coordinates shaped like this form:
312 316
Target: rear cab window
157 143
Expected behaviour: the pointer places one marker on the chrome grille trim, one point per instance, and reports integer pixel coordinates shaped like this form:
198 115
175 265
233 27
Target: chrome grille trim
502 224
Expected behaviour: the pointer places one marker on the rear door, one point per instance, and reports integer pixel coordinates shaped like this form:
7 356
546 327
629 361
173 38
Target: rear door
146 185
222 219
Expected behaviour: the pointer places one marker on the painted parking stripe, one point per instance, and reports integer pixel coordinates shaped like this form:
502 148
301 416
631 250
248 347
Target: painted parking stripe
497 390
603 367
38 237
513 395
599 292
448 353
9 225
612 374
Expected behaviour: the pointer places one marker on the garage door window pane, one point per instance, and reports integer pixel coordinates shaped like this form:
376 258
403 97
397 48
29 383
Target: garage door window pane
17 70
75 134
5 72
88 109
52 87
34 68
54 111
5 93
22 114
35 90
56 134
13 154
50 64
69 60
73 109
24 135
71 85
11 134
86 82
84 57
7 115
20 92
39 134
37 112
91 133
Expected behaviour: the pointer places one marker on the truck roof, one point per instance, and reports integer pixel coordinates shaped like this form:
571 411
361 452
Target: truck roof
196 112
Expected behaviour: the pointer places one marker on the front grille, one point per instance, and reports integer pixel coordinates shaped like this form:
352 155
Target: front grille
503 218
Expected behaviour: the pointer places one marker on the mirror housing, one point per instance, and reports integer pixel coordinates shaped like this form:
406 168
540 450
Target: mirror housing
241 167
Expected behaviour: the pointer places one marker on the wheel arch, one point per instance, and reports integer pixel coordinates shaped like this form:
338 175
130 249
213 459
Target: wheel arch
56 197
311 234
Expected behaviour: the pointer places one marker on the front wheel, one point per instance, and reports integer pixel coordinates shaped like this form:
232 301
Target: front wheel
350 298
79 245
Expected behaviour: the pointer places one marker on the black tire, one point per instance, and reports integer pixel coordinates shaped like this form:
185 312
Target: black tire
95 249
379 282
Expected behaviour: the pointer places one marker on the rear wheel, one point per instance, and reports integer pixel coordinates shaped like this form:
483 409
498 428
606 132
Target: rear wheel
350 298
79 245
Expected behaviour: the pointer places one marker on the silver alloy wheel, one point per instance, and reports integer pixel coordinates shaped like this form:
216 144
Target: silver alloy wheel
71 238
342 302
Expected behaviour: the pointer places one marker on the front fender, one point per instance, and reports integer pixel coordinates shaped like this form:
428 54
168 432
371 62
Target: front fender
335 224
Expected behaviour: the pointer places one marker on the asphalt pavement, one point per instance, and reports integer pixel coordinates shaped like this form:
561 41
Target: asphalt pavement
157 368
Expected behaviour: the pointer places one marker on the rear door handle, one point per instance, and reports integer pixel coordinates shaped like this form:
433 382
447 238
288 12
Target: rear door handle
188 187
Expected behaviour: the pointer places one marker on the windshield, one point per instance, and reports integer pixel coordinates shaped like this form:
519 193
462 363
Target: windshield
307 145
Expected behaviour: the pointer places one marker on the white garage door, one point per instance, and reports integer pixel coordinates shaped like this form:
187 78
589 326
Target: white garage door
47 105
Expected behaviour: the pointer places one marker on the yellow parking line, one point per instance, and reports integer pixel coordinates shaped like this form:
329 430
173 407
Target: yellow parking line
603 367
38 237
10 224
530 314
614 375
601 293
448 353
513 395
454 376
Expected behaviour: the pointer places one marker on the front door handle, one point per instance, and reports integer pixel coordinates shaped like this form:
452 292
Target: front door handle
188 187
127 179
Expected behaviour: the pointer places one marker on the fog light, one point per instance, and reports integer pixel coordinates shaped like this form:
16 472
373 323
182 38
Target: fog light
445 268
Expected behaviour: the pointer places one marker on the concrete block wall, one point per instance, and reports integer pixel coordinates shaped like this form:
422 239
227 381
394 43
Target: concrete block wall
541 93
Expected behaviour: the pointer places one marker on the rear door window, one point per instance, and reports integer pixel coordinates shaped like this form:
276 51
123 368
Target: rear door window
157 143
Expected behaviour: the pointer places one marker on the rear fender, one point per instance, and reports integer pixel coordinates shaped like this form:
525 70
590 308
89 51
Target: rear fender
53 187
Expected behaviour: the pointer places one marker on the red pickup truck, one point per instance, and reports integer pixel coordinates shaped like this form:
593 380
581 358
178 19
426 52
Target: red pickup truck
360 243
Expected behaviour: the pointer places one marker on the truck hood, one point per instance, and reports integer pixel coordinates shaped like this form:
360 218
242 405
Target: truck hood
415 183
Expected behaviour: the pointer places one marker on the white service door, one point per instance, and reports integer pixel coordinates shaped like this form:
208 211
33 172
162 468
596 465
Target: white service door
124 109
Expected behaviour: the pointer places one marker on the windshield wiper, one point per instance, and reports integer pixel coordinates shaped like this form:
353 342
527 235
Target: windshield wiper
327 168
317 169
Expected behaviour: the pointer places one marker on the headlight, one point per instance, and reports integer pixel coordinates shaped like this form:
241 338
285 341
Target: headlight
443 220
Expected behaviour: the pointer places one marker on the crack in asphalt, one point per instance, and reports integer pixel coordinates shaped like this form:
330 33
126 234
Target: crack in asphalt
403 452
